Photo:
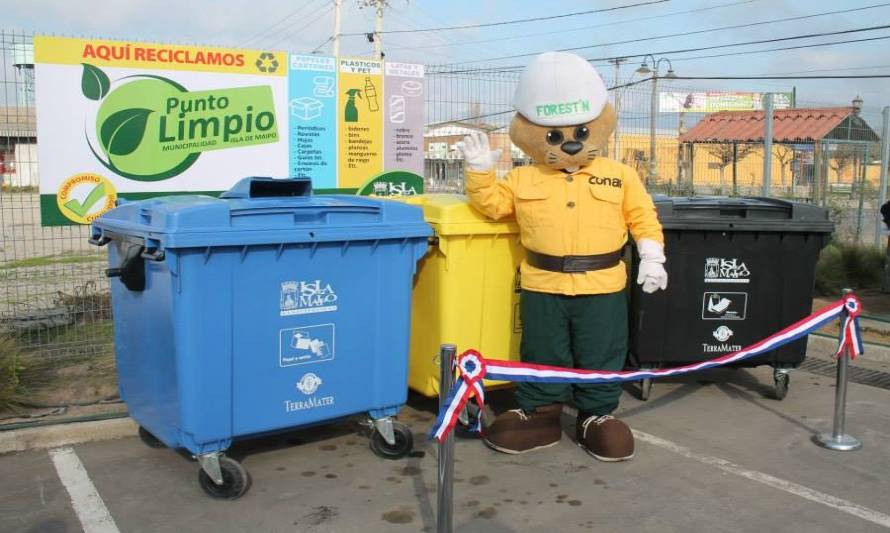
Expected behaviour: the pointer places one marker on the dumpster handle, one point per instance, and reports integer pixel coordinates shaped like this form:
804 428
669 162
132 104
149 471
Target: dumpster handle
153 254
98 240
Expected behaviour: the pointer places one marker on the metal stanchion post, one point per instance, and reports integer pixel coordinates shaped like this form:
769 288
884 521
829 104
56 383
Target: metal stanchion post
446 448
838 440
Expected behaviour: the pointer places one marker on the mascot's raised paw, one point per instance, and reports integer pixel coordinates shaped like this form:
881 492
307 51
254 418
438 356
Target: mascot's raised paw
477 153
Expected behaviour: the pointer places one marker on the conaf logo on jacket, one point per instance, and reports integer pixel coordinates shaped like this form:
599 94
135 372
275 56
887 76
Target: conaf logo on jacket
600 180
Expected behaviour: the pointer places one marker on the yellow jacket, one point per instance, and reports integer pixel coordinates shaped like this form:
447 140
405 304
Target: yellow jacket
580 213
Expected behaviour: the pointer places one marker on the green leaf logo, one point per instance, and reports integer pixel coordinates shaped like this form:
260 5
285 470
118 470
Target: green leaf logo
94 83
122 131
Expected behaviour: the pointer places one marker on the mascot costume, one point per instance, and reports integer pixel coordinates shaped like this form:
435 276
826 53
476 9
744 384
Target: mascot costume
574 208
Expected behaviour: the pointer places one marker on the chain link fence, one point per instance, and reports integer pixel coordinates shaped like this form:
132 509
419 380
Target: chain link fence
56 334
827 154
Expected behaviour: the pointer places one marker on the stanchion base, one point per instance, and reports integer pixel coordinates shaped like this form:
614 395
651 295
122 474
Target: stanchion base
844 443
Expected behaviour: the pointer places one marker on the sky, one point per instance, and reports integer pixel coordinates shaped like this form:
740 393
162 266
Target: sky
306 27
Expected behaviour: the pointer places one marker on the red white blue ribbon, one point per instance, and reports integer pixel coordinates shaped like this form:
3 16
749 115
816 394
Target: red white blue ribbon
472 367
850 336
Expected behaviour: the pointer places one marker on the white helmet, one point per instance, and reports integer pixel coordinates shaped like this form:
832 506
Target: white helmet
560 89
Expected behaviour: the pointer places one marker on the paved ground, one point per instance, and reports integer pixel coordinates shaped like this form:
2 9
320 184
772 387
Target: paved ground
714 453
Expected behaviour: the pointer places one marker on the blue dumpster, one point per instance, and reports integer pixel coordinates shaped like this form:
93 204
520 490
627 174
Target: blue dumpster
265 309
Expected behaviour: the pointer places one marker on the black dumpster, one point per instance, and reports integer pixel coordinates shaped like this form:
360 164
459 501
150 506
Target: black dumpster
739 270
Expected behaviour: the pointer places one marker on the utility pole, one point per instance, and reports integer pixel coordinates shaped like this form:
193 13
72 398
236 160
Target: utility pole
337 5
653 117
378 29
652 176
767 144
617 62
375 37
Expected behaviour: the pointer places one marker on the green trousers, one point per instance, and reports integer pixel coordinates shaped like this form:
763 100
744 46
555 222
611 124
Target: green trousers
588 332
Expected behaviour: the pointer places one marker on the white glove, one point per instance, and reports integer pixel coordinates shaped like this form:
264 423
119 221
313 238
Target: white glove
652 275
478 155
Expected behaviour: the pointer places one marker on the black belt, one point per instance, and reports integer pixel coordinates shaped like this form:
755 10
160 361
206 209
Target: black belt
573 263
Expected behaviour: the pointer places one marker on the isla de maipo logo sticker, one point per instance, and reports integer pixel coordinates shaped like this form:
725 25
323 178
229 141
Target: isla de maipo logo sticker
151 128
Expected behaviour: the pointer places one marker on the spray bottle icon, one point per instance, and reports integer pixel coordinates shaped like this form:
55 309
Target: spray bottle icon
350 112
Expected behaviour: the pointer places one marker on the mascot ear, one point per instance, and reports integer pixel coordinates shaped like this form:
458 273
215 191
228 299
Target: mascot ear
603 125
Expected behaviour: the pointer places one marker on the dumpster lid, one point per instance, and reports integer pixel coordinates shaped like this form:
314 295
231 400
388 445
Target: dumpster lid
262 211
452 214
746 213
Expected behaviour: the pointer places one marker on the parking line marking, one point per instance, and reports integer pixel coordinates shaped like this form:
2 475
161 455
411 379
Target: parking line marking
88 505
790 487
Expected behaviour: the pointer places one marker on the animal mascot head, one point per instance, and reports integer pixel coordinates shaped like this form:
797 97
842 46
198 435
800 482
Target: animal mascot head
563 117
575 209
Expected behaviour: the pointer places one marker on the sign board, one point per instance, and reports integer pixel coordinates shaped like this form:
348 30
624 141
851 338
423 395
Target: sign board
132 120
710 102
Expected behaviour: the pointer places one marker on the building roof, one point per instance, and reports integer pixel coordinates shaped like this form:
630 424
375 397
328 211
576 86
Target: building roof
17 122
794 125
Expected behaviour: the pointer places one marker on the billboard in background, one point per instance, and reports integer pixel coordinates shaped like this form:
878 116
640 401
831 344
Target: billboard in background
710 102
120 119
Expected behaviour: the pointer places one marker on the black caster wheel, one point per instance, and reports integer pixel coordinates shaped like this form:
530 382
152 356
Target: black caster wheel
150 440
236 481
783 380
645 389
404 442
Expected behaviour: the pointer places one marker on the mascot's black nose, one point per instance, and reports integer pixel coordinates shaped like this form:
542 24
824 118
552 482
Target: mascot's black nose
571 147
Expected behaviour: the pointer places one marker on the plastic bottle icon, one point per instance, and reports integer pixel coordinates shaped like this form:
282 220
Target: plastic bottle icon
350 112
371 95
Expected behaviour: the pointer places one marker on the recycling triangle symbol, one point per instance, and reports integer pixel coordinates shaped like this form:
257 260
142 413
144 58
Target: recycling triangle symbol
267 62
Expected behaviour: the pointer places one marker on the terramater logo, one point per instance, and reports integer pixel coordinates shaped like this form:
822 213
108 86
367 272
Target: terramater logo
151 128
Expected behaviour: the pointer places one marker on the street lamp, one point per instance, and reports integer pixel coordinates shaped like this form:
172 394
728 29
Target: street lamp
669 75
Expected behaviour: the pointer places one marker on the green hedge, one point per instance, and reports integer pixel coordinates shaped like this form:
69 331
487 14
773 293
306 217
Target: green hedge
848 266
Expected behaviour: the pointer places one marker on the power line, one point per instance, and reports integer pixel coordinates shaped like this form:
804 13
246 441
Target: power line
762 41
818 77
280 21
582 28
783 48
814 45
309 23
520 21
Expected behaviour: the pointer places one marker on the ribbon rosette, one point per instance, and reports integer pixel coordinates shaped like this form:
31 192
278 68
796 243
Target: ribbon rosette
850 335
471 371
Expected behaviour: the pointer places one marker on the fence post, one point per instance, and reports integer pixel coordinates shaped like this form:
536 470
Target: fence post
767 144
885 160
838 440
445 507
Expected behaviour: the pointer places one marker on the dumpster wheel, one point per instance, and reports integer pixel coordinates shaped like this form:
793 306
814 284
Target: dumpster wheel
150 440
783 380
235 483
404 442
645 389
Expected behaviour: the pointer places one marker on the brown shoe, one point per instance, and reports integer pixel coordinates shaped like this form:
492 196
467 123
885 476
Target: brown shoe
517 431
606 438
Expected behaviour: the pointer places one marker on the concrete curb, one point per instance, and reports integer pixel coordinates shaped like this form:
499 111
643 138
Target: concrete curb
39 438
827 346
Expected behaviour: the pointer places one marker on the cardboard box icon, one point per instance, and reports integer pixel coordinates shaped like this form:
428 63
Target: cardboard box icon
305 108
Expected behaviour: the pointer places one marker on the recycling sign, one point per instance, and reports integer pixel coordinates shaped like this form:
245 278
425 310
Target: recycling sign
130 120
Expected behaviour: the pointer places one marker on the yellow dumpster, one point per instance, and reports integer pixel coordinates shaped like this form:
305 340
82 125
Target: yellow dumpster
466 291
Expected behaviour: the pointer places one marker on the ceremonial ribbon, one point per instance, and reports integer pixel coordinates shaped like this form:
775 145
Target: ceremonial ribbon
473 368
850 336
